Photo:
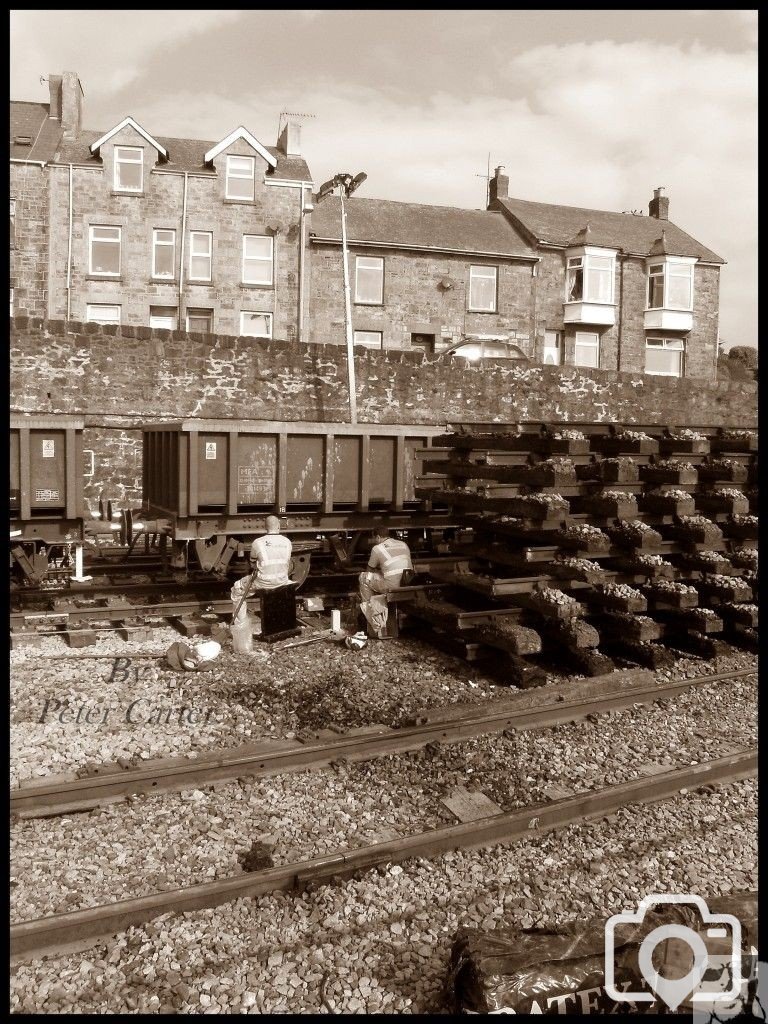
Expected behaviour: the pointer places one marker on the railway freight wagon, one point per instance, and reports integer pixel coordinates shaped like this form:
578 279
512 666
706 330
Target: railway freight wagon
47 525
208 485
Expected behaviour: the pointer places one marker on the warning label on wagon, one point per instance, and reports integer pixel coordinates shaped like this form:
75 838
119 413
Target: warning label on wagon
49 449
210 449
44 494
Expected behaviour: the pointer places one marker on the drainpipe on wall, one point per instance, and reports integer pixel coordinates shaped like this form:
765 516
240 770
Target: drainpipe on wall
622 258
69 250
300 331
181 252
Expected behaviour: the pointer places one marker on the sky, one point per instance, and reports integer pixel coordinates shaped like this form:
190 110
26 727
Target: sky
584 108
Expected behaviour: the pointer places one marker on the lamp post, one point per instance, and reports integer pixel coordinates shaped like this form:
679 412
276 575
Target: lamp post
346 185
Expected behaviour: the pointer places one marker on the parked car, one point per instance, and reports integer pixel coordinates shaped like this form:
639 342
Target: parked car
475 349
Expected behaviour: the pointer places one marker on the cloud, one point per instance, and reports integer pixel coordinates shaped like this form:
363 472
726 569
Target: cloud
116 54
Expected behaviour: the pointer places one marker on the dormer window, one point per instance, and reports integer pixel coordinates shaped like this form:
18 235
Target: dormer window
129 169
240 177
670 285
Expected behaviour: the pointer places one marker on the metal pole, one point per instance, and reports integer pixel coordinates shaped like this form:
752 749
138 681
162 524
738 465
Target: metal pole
348 315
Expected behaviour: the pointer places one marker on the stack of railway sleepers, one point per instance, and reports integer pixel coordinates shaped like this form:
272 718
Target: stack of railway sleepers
632 539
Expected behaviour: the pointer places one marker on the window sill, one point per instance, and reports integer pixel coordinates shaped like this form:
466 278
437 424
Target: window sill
260 287
104 277
357 302
489 312
164 280
238 202
200 284
136 195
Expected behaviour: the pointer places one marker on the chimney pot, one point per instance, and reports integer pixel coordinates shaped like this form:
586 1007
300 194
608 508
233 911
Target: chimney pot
498 186
659 205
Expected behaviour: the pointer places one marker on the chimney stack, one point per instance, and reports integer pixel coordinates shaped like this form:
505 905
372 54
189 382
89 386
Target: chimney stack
659 205
290 139
498 186
71 105
54 89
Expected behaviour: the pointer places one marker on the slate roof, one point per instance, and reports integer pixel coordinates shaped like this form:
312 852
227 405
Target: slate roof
558 225
31 119
414 224
184 155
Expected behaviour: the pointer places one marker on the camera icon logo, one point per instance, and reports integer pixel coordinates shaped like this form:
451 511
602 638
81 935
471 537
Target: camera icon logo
723 932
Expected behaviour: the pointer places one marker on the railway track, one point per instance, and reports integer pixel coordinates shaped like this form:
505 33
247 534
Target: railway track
60 933
111 783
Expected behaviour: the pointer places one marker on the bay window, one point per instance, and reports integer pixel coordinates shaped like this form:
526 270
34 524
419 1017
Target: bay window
670 285
590 278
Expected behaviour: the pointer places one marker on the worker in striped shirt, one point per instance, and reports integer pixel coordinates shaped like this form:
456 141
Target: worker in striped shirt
389 560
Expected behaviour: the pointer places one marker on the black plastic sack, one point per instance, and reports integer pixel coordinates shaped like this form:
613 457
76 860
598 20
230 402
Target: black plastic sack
512 970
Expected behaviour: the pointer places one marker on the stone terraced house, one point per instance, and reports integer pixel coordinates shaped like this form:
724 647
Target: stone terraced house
127 227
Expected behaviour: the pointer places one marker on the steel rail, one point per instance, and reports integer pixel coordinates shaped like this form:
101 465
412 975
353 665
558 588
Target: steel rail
113 783
59 933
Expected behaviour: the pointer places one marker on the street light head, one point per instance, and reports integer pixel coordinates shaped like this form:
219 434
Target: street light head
357 181
325 190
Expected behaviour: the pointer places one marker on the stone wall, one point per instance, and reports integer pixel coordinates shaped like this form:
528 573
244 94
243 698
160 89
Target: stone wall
119 378
29 243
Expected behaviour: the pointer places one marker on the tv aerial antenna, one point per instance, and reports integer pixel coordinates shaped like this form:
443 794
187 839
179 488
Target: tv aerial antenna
293 115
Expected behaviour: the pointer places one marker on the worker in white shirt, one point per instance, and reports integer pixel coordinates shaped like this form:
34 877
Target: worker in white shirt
389 560
271 562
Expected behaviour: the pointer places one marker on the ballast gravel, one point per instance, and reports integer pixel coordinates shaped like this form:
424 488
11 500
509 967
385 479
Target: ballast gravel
82 860
381 942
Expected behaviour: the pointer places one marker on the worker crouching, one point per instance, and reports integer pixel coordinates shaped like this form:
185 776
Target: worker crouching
390 558
271 562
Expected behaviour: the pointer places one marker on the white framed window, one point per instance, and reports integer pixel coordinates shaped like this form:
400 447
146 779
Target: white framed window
200 320
255 325
369 339
104 250
13 223
665 357
670 285
586 350
102 313
589 278
164 317
241 176
129 169
200 255
258 259
482 289
164 253
369 280
553 348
